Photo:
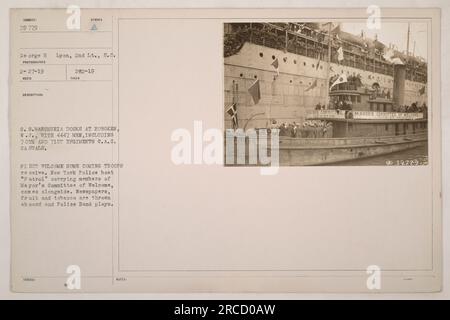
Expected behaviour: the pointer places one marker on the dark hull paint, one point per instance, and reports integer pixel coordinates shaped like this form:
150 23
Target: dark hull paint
324 151
306 152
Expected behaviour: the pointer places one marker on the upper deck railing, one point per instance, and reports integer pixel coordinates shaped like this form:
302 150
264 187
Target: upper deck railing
292 37
364 115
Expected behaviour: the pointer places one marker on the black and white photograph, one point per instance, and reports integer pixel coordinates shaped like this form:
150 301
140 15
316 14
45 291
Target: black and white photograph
338 92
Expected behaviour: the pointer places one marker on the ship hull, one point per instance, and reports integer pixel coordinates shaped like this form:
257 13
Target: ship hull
326 151
285 97
307 152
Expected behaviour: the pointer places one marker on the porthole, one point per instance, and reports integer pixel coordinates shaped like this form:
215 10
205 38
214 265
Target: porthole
304 63
290 81
313 65
261 54
256 77
295 61
273 57
285 59
241 75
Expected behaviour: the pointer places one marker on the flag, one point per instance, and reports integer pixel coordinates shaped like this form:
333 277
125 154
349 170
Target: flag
340 54
389 57
318 62
232 112
422 91
275 65
255 92
388 54
336 29
397 61
312 86
300 27
341 79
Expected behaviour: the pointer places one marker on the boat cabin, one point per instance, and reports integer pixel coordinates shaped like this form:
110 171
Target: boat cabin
361 112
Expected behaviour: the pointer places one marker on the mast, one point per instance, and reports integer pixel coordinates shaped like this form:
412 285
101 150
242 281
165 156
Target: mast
407 41
327 82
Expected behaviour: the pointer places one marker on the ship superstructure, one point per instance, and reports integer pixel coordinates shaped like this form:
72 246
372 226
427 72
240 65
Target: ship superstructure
291 62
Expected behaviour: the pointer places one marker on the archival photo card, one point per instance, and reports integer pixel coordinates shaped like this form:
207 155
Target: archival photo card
225 150
338 92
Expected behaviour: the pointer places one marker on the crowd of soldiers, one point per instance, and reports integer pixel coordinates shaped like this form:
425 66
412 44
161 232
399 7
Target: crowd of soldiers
341 104
274 36
308 129
412 108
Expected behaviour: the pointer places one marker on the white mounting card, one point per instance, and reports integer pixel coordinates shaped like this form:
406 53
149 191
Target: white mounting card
225 150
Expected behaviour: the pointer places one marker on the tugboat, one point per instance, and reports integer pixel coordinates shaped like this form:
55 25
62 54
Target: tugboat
374 126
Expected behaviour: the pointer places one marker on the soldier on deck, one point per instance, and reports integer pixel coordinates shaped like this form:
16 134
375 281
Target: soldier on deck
273 125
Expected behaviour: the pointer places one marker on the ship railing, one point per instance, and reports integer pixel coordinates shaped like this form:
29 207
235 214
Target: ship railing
364 115
345 86
372 61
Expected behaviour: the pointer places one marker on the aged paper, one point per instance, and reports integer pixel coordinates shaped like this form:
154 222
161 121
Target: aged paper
225 150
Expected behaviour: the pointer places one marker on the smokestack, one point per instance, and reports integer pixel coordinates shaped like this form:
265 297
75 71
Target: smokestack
399 84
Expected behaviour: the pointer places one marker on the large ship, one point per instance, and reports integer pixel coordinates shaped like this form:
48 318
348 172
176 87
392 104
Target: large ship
333 95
